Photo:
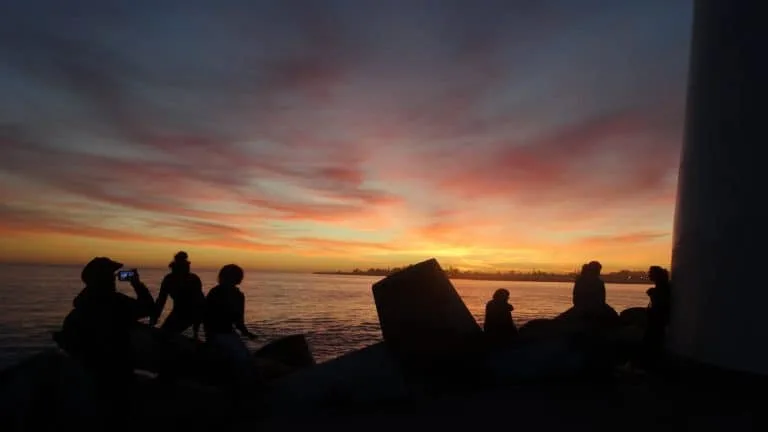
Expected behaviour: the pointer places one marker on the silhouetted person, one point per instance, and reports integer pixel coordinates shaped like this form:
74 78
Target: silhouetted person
186 290
499 327
97 330
225 313
589 289
659 310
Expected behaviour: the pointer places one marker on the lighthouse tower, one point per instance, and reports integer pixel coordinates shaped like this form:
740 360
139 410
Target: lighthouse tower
720 250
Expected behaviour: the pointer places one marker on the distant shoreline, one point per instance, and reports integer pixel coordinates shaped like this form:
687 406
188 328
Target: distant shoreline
505 278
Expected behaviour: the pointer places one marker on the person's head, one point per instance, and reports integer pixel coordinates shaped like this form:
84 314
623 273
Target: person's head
585 269
501 295
657 274
100 272
231 275
180 263
595 268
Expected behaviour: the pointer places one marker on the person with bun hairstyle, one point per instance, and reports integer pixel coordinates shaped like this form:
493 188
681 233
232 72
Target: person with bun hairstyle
186 291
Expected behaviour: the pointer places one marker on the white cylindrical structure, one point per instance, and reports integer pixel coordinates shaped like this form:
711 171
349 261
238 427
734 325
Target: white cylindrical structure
720 294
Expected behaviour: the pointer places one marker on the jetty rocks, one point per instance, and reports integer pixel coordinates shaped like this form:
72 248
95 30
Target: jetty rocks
431 345
432 334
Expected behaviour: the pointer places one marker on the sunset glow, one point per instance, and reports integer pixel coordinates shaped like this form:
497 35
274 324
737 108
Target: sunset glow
278 137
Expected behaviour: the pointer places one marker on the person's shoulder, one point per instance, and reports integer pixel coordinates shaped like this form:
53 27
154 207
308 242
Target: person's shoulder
213 292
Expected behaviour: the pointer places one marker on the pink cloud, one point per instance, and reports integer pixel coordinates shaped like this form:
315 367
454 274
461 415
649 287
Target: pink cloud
15 221
208 184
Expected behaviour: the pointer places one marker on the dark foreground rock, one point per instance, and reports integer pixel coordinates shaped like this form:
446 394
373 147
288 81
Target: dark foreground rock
428 328
292 351
366 377
631 402
419 310
190 358
636 316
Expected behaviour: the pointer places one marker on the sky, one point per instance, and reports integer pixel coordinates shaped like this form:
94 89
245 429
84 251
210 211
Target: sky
308 135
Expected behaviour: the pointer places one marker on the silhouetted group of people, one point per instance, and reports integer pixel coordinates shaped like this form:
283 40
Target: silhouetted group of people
590 308
97 332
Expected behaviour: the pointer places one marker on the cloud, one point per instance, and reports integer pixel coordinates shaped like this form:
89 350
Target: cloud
622 239
416 129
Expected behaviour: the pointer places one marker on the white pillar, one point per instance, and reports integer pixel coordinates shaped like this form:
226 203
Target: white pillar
720 252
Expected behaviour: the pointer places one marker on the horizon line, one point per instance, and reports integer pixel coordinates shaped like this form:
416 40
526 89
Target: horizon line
316 271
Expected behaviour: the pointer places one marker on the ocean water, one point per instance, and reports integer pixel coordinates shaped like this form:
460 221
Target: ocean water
336 313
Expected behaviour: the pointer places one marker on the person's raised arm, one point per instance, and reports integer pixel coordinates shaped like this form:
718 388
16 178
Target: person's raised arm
145 305
161 299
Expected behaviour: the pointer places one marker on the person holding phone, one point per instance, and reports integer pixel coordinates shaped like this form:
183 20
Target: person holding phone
97 331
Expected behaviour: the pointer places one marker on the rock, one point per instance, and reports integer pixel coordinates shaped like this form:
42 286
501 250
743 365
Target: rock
419 310
364 377
292 351
151 346
428 327
191 360
543 329
282 357
47 390
597 341
546 358
599 319
635 316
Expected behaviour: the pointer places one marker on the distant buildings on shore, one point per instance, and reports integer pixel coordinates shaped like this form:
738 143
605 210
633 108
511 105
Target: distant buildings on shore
623 276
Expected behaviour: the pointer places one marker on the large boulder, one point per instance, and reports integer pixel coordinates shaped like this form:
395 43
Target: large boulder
599 339
191 359
545 358
635 316
419 309
365 377
282 357
427 326
292 351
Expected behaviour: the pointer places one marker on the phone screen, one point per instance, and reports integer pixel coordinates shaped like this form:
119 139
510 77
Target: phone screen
124 275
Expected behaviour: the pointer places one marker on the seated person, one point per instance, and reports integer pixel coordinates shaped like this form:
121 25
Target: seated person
225 313
186 290
499 326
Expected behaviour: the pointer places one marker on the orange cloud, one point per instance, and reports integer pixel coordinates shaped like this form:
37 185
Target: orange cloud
462 136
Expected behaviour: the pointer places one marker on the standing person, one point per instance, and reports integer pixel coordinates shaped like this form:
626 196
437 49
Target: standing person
225 313
186 290
97 332
499 326
659 310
